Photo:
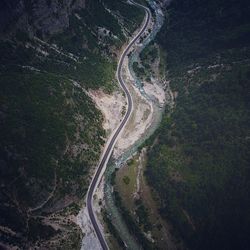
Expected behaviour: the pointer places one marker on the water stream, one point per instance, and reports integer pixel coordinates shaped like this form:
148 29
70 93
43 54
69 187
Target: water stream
113 211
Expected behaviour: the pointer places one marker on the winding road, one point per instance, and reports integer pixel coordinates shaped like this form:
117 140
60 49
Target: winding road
113 138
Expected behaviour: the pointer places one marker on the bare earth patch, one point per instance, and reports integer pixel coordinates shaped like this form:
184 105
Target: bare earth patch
89 240
111 107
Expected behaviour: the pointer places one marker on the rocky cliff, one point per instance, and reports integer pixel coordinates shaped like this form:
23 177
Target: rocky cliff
37 17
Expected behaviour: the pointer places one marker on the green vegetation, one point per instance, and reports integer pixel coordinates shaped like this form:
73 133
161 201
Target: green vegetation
45 117
126 180
131 208
142 213
51 132
199 165
149 54
147 66
130 15
139 71
113 231
131 224
102 17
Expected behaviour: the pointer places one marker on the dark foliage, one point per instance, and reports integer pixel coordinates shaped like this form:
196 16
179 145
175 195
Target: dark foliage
200 165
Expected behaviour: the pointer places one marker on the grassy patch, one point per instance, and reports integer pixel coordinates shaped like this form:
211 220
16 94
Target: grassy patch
126 182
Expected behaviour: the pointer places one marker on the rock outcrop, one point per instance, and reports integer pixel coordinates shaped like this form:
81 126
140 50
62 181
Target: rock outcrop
44 17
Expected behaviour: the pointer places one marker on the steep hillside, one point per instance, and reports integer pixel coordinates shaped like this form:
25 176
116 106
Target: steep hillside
51 135
44 16
199 164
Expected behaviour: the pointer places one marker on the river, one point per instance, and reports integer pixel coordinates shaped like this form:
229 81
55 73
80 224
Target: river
113 212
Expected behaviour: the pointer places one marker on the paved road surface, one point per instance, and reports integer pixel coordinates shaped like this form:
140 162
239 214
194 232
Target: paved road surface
110 145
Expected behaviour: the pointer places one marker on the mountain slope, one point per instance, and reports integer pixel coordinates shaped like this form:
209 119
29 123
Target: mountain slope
51 135
199 164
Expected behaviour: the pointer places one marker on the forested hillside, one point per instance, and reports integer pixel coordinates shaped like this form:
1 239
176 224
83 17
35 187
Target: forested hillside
199 164
51 132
